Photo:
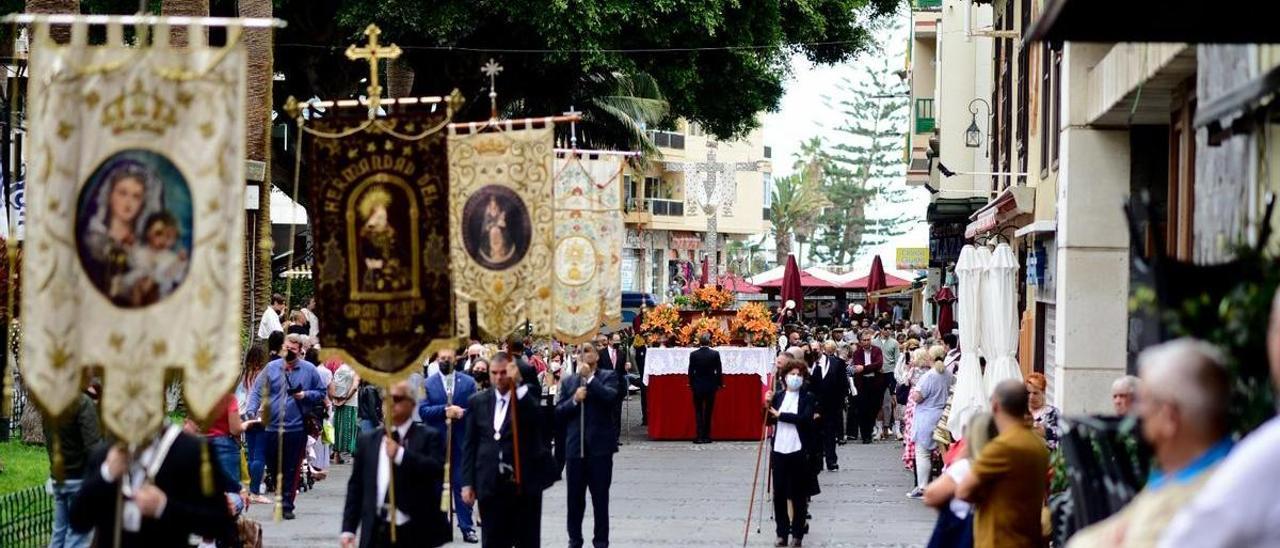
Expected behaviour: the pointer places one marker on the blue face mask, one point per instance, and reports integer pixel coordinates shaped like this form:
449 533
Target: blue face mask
794 382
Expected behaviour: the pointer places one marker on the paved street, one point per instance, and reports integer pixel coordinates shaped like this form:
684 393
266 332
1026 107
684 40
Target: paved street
680 494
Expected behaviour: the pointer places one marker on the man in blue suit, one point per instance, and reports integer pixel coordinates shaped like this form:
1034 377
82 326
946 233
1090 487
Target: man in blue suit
448 394
585 409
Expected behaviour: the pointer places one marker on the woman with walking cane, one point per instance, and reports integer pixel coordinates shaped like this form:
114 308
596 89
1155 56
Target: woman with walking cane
794 481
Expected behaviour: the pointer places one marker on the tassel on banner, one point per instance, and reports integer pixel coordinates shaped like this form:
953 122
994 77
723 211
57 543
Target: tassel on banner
58 466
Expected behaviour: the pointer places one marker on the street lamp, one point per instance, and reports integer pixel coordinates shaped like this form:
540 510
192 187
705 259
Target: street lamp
973 135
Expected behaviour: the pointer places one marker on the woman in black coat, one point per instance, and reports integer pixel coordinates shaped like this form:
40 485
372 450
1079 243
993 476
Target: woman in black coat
794 481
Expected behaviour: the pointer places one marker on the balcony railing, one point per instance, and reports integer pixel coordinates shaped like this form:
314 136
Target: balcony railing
666 208
926 4
667 139
924 115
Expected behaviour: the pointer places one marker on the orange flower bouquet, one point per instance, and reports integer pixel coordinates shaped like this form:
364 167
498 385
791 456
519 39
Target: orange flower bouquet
660 323
754 324
692 331
710 297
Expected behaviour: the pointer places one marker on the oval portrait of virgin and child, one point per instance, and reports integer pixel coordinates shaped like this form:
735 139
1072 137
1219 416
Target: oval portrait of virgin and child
134 228
496 229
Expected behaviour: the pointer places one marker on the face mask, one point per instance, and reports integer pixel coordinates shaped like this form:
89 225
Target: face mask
482 377
555 366
290 356
794 382
446 367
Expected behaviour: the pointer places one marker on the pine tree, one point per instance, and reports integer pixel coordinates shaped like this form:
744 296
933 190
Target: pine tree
862 174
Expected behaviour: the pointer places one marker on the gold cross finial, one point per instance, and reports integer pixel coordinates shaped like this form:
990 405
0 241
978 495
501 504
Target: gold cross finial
491 69
373 53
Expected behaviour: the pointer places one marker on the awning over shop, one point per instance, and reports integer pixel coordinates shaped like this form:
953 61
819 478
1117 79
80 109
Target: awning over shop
1187 21
949 209
686 241
1013 202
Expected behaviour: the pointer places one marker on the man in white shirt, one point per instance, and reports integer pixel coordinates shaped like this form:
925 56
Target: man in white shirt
270 322
1238 505
416 451
313 323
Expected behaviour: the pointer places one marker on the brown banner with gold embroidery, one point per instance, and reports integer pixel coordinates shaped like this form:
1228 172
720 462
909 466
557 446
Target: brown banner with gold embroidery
379 191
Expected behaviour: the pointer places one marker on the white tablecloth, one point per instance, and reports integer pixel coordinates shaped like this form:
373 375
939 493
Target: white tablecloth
734 360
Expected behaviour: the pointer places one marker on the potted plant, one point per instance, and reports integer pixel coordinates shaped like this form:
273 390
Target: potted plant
753 323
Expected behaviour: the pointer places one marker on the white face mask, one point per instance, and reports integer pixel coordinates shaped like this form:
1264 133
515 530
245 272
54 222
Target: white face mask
555 366
794 382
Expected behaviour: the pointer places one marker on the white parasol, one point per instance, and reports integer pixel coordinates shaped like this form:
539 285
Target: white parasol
1000 318
969 390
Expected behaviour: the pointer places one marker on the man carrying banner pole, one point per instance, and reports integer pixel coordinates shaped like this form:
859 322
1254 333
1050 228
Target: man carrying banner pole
444 409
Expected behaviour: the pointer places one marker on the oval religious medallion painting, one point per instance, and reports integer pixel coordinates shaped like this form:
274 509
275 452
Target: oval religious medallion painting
575 261
496 229
134 228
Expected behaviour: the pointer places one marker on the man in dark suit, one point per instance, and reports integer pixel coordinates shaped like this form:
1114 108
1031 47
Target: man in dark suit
164 501
704 380
830 384
613 357
448 395
417 452
867 363
585 409
506 477
528 373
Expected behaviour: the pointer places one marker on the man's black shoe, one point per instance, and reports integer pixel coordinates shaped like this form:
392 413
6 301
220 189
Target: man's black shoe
833 468
470 537
288 514
866 441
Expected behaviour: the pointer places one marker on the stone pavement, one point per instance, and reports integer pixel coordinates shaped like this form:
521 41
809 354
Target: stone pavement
680 494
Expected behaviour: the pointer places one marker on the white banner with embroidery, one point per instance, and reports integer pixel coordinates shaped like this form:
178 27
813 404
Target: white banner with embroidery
588 245
134 224
501 229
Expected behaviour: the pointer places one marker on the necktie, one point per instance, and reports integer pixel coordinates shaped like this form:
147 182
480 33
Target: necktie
817 372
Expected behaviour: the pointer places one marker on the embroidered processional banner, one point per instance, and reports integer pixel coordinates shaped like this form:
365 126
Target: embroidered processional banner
588 245
379 189
500 225
135 224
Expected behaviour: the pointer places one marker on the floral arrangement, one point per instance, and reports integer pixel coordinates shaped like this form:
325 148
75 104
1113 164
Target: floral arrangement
660 323
752 322
692 331
710 297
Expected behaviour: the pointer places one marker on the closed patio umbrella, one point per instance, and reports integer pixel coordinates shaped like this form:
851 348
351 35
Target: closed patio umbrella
969 390
945 298
1000 318
791 288
875 282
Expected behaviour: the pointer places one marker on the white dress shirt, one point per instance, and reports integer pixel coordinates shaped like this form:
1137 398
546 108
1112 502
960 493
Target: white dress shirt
500 410
787 439
384 469
269 324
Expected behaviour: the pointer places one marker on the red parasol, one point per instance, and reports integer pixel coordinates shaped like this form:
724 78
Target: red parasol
736 284
791 288
875 282
945 299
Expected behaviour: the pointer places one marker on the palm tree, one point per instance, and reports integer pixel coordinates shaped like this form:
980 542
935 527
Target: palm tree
60 33
797 202
258 148
623 113
193 8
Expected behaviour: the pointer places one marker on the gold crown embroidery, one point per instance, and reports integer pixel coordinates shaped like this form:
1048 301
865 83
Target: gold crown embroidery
491 146
138 109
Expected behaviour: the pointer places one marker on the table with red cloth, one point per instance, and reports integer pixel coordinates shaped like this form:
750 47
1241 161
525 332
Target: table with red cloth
738 409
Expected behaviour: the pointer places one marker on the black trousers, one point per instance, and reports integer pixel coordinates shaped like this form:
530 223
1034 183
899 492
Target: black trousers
786 526
703 405
870 398
406 535
594 474
831 429
511 520
295 444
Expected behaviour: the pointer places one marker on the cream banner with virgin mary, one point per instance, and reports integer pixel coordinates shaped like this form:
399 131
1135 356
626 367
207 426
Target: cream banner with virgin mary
588 250
134 225
500 226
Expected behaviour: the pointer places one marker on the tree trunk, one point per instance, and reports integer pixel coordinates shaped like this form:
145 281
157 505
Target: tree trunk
782 247
193 8
399 78
258 242
60 33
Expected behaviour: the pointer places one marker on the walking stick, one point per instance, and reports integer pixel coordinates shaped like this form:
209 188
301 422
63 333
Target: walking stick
755 477
515 433
446 495
582 425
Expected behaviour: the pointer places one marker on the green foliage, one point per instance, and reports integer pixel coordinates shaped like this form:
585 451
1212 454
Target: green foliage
24 466
862 174
556 52
1237 323
295 295
797 202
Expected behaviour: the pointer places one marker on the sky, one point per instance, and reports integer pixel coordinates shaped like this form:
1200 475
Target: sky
803 114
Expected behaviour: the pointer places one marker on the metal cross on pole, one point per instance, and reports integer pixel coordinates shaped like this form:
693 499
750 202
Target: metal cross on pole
719 188
573 127
373 52
492 69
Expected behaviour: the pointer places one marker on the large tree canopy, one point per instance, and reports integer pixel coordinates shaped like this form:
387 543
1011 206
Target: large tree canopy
717 62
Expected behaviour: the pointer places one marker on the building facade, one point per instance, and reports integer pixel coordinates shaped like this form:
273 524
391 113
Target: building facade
666 224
